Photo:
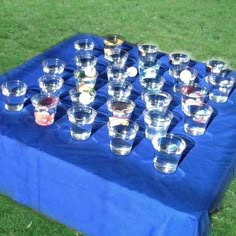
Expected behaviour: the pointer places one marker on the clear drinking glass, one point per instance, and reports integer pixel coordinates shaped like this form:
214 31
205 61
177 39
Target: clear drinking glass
50 84
84 47
149 65
186 77
155 83
84 97
118 58
112 44
119 89
53 66
196 121
84 62
177 58
215 68
178 62
122 136
168 151
193 95
14 92
220 87
81 119
44 108
157 123
117 73
86 74
158 100
121 107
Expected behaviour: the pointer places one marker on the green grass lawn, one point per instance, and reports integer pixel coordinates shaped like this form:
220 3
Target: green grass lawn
204 29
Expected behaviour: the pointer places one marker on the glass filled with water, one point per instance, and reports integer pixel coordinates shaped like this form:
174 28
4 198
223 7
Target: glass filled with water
122 135
84 47
220 87
178 61
149 65
82 96
53 66
155 83
214 68
193 95
118 58
121 107
14 92
116 73
86 74
196 121
186 77
50 84
157 123
45 107
112 44
119 89
168 151
81 118
158 100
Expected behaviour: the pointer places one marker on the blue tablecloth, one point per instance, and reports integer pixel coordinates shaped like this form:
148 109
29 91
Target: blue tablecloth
83 185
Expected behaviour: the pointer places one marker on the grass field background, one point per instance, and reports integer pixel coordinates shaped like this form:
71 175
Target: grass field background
204 29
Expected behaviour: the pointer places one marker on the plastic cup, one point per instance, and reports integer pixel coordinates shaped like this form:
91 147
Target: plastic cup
50 84
112 44
117 73
120 108
158 100
186 77
118 58
84 97
168 151
84 47
14 92
81 119
44 108
122 135
220 87
196 121
149 65
119 89
157 123
193 95
53 66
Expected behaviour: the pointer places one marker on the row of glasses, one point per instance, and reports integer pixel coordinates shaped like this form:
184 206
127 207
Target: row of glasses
122 131
219 82
157 117
197 112
81 114
45 103
118 88
168 148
